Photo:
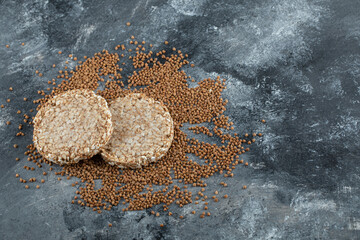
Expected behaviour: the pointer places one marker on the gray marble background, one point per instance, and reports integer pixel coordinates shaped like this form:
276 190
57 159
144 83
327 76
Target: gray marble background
295 63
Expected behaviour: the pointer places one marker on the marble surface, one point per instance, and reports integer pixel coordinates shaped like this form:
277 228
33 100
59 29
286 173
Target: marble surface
295 63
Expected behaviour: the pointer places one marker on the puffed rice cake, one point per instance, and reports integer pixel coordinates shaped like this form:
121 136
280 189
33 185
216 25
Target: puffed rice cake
72 126
143 131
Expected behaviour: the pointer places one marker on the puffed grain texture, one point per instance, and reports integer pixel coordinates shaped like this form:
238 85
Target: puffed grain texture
72 126
143 131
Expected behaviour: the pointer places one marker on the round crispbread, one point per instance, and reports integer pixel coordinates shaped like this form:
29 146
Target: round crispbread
143 131
72 126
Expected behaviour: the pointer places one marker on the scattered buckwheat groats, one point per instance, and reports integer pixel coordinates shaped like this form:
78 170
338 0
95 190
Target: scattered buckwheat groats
177 174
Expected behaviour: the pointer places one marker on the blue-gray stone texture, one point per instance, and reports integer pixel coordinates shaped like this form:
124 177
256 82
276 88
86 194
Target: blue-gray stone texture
295 63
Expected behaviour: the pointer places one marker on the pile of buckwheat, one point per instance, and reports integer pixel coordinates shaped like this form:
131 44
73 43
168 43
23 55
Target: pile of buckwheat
159 76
